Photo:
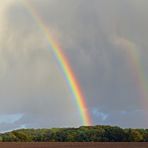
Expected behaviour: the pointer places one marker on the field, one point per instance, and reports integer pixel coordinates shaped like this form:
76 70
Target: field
73 145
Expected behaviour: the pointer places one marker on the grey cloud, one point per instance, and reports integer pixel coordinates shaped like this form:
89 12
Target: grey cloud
31 82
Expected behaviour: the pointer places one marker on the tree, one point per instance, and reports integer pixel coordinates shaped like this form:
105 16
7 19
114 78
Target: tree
134 135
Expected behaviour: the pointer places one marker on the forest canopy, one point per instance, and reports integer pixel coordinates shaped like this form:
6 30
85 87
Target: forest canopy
82 134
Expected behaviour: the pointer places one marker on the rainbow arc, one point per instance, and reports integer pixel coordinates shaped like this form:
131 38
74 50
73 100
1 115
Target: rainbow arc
64 64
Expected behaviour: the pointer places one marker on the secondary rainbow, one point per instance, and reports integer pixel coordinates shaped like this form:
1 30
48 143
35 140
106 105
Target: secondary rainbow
136 65
64 64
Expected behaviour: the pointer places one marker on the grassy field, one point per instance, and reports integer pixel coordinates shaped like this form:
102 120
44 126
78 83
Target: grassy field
73 145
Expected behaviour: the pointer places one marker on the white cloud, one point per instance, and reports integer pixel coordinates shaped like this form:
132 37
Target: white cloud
100 115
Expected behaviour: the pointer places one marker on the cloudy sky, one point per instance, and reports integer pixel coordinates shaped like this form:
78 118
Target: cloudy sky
106 44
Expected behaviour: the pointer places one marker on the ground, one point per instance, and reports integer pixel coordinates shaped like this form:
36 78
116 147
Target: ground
73 145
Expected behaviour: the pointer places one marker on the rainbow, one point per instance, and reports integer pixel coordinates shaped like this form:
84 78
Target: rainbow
133 55
64 64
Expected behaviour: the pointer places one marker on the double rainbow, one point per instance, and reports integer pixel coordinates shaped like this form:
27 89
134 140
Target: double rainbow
64 64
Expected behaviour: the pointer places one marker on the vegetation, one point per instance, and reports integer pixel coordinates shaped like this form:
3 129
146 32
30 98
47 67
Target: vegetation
81 134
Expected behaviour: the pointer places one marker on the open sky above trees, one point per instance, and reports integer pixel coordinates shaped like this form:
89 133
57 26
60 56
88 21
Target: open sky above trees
106 44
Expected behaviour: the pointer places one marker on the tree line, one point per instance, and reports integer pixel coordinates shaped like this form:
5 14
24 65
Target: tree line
81 134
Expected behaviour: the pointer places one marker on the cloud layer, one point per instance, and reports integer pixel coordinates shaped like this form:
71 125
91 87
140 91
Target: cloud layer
95 36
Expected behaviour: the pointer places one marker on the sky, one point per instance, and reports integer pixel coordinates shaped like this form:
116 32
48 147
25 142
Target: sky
106 45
